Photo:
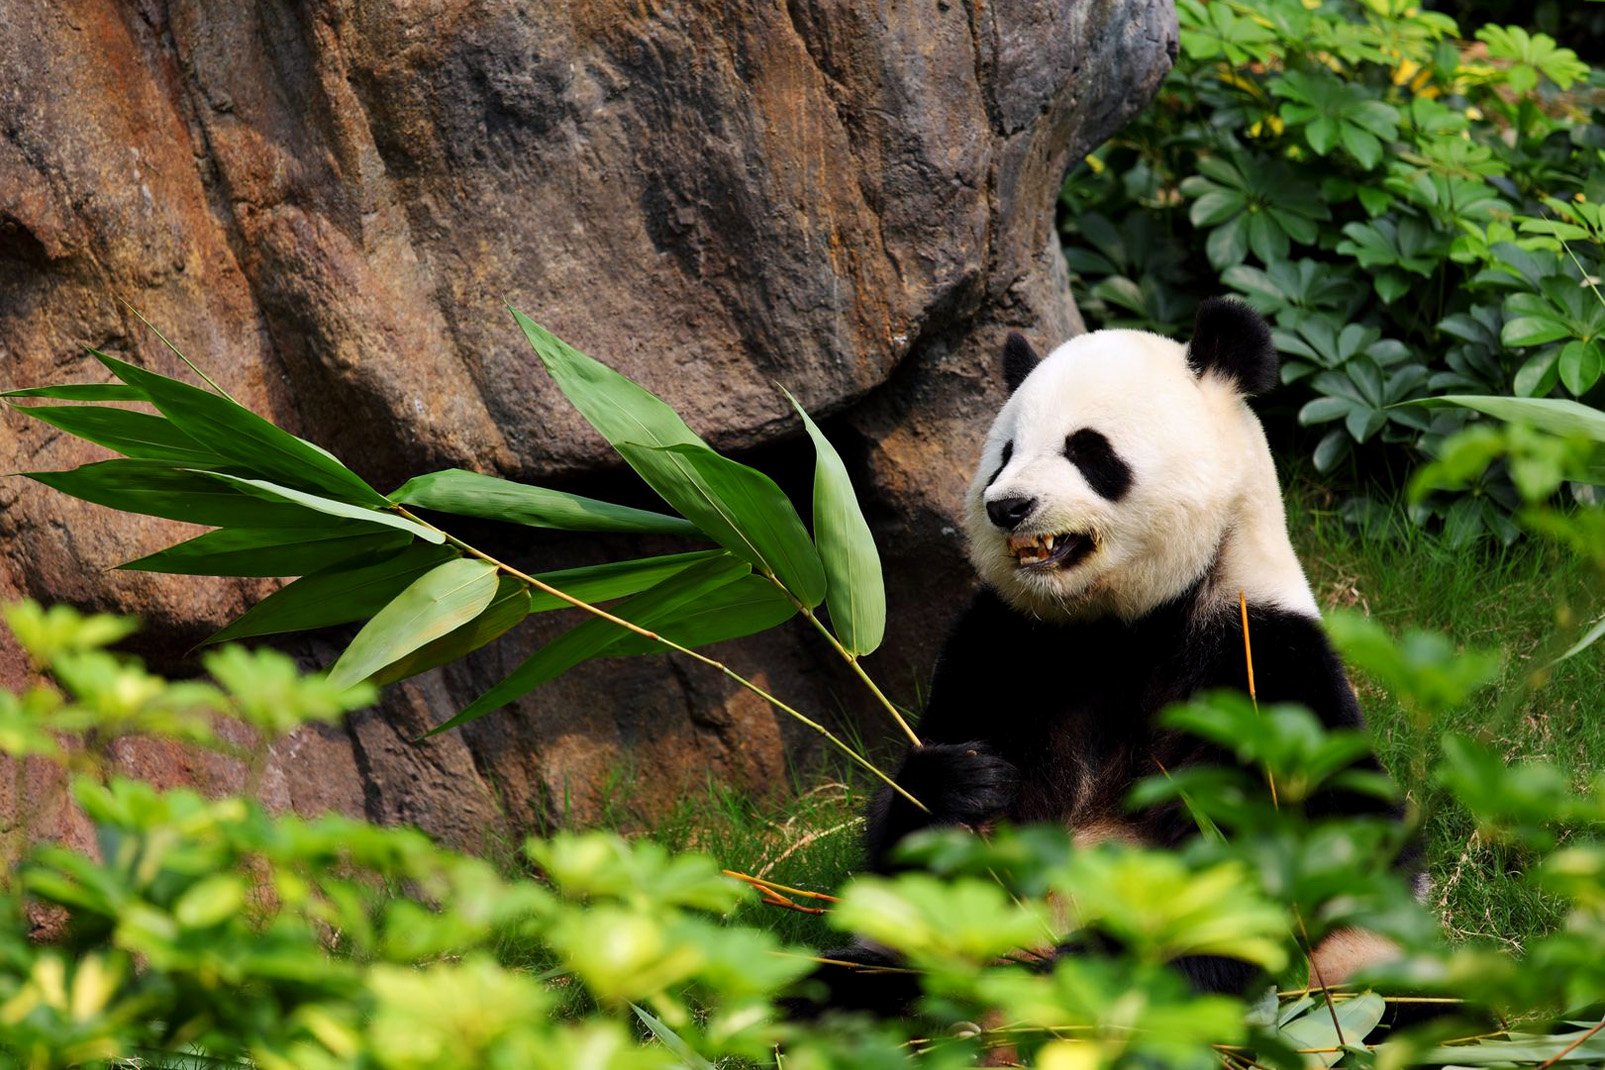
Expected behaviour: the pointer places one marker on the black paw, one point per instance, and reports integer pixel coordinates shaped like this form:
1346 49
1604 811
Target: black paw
857 978
961 783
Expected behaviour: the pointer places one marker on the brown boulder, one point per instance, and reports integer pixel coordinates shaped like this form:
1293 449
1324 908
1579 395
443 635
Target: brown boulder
328 202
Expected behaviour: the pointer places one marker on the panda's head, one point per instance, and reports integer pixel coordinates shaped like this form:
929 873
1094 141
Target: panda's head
1120 464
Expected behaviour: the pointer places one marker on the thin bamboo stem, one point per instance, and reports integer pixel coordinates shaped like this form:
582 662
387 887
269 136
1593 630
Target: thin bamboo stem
852 661
712 663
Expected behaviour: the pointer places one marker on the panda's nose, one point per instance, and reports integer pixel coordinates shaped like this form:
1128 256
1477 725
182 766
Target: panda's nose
1010 513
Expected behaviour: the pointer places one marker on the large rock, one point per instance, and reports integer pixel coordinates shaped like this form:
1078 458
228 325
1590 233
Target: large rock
327 202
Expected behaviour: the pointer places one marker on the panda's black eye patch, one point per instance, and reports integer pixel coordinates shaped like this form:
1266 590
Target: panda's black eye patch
1100 465
1008 451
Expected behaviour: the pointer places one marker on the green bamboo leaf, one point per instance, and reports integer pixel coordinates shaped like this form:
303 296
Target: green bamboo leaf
855 591
1315 1030
463 493
80 392
1530 1049
262 488
153 489
139 435
271 552
336 595
506 610
1558 416
746 606
242 436
437 603
737 507
595 636
618 408
616 579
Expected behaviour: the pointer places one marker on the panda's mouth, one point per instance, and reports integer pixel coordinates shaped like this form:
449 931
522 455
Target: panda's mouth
1042 552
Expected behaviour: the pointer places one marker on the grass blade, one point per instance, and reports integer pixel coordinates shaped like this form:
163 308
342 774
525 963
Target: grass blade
269 552
274 492
595 636
855 591
737 507
153 489
434 605
463 493
242 436
139 435
506 610
672 1040
337 595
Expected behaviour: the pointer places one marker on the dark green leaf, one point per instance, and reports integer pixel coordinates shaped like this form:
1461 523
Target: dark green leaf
79 392
1558 416
328 506
749 605
595 636
335 596
242 436
619 409
855 591
737 507
156 490
139 435
272 552
506 610
463 493
616 579
436 604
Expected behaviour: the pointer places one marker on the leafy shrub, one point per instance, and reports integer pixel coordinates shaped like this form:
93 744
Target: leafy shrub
209 932
1418 213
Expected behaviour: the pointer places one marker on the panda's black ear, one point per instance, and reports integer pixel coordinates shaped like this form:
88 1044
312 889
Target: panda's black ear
1233 341
1018 360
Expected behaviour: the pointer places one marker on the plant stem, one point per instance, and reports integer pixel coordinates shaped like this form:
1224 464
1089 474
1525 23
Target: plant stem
644 633
852 661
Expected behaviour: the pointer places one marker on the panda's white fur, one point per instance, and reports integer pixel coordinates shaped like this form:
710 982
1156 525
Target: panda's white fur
1203 490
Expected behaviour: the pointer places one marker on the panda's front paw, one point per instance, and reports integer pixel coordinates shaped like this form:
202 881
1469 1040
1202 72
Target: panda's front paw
961 783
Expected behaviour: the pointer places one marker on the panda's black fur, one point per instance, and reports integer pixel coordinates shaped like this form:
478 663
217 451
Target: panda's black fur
1054 720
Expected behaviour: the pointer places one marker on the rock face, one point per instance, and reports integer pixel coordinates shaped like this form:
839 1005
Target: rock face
328 201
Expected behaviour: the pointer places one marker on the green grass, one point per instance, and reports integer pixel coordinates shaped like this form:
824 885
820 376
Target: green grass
1519 600
1513 599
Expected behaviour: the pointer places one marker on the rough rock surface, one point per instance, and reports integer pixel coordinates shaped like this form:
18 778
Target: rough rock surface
328 201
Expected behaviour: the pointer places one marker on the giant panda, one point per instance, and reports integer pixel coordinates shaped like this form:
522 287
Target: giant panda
1124 498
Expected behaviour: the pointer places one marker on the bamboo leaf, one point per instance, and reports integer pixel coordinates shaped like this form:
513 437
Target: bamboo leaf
138 435
437 603
274 492
593 637
737 507
242 436
79 392
153 489
746 606
1314 1029
269 552
506 610
1558 416
463 493
1521 1048
618 408
336 595
616 579
854 592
